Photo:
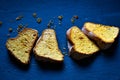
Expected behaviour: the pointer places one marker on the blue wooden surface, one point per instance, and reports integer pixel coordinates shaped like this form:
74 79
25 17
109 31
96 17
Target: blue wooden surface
105 65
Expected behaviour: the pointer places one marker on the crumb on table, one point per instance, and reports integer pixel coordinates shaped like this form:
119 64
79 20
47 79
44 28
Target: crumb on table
73 20
39 20
60 17
75 16
19 17
19 28
50 23
34 15
10 29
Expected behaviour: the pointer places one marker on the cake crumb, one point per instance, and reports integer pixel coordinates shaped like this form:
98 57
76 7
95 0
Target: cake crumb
39 20
60 17
76 17
34 15
50 23
10 29
19 28
19 17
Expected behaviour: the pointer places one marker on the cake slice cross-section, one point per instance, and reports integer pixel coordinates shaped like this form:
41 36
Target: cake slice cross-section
46 48
20 47
80 46
103 35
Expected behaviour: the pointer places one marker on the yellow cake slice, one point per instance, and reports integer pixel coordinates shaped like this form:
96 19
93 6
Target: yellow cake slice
103 35
46 48
80 46
21 46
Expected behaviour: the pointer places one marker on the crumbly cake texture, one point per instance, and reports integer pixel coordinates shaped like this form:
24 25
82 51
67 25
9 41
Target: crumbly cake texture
103 35
46 48
80 46
20 47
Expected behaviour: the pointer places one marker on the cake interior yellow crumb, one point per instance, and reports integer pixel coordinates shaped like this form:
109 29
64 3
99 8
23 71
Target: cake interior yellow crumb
106 33
48 47
81 42
22 45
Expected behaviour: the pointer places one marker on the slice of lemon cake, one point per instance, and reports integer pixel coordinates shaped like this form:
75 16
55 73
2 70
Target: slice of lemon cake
21 46
46 48
103 35
80 46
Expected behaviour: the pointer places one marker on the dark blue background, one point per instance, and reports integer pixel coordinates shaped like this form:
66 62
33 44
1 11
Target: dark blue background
105 65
